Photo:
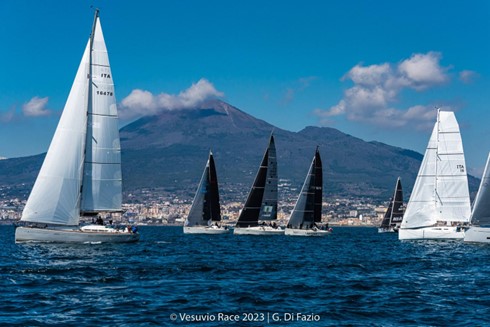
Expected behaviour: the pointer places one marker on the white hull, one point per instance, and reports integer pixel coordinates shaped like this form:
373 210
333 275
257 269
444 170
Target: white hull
387 230
258 230
477 235
306 232
432 233
205 230
73 235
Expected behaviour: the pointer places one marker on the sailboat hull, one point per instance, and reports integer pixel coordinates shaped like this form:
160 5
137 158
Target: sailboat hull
432 233
258 230
205 230
72 235
477 235
306 232
388 230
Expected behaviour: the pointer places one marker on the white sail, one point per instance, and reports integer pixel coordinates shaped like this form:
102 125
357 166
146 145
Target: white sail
56 193
102 179
440 192
480 216
82 168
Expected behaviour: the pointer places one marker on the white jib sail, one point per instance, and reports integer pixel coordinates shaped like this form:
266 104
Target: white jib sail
56 192
480 216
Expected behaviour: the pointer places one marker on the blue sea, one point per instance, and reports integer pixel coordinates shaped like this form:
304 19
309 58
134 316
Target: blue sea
354 277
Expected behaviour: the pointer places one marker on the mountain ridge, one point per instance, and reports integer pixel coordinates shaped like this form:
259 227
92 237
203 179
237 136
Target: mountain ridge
168 151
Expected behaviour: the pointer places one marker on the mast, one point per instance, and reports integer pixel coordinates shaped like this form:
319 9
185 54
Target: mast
436 195
89 101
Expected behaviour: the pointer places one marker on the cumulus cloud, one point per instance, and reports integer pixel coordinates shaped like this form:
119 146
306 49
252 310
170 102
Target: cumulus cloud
467 76
144 103
36 107
377 87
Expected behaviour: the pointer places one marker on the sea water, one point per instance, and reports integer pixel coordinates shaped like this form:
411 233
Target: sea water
354 277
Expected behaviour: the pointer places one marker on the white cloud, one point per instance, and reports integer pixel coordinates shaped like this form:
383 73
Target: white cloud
467 76
377 87
423 71
36 107
143 103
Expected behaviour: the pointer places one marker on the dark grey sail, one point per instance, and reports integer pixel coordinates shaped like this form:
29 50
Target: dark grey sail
394 214
206 207
261 203
308 208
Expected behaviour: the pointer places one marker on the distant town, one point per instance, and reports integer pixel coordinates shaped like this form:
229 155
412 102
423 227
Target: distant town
161 207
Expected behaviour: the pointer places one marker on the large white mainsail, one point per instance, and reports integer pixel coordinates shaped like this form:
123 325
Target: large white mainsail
440 193
85 147
102 179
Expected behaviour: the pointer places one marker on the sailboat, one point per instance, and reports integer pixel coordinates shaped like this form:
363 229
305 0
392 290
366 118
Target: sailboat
440 201
205 214
479 230
394 214
261 204
308 209
81 173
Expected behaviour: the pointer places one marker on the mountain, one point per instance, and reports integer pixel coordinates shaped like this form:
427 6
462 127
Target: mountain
168 152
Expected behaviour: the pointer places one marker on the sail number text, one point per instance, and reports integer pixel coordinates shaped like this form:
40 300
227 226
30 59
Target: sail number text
460 168
108 93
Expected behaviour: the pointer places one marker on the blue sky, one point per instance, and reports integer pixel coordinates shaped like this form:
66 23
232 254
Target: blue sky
373 69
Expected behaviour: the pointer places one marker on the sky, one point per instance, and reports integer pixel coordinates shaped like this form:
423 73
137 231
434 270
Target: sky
373 69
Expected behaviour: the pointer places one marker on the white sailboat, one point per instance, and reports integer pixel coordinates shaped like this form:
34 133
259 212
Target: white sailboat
308 209
261 204
479 231
205 214
439 204
81 174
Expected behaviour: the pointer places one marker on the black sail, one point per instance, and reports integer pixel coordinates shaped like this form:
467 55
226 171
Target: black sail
308 208
398 208
205 206
261 203
394 213
211 204
317 214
